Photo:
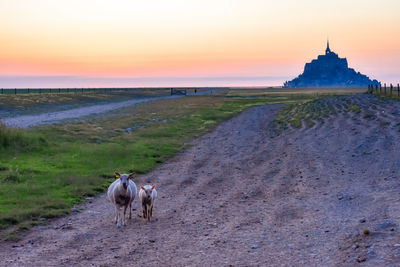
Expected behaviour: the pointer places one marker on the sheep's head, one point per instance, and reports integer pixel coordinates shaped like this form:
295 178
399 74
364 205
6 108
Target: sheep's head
148 190
124 178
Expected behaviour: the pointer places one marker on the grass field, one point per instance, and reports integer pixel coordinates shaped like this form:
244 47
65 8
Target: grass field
34 99
45 170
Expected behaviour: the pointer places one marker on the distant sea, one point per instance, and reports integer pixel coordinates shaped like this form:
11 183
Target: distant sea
93 82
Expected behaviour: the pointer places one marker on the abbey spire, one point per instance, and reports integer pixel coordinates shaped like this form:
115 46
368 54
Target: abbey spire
328 50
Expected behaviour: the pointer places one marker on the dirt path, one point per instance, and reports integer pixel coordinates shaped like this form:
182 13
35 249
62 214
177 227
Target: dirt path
244 197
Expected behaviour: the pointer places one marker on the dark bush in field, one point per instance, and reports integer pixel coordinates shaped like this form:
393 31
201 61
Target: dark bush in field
18 140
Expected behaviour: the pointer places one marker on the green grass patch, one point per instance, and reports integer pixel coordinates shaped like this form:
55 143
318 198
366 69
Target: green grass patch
354 108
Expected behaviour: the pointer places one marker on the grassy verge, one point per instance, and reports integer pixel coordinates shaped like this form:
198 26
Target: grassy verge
44 171
20 101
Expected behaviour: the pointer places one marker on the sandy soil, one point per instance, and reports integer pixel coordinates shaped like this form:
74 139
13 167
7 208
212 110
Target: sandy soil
243 196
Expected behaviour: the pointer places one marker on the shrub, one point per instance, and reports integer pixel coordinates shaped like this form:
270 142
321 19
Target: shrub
19 140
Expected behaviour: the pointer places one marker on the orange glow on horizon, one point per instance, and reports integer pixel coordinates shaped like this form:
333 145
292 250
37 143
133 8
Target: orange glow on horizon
178 38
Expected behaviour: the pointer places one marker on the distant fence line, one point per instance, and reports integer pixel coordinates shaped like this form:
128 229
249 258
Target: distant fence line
55 90
390 90
173 90
372 88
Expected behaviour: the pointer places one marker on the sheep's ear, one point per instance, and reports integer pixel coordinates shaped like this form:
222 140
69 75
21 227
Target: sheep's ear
131 175
117 175
142 188
154 186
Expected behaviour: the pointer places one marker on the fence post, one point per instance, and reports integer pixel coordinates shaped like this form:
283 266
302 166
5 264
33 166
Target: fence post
15 91
391 89
2 90
385 88
376 88
398 90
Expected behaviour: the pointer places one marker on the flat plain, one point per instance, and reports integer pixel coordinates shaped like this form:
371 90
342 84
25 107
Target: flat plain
252 179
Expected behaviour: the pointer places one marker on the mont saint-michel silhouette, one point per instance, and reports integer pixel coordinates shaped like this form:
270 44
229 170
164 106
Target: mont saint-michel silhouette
330 70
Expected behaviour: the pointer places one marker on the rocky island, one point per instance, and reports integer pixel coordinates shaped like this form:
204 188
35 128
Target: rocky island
330 70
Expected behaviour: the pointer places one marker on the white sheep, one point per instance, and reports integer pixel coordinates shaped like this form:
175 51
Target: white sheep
147 196
121 193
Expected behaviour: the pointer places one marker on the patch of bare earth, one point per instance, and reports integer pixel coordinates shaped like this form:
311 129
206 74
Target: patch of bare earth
242 196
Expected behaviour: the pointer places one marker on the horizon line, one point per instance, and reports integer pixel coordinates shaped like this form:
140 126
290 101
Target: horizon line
70 81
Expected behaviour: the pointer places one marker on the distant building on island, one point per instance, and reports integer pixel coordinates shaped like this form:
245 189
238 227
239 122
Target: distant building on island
330 70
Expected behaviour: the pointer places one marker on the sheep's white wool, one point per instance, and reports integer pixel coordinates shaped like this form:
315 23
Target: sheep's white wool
147 196
120 196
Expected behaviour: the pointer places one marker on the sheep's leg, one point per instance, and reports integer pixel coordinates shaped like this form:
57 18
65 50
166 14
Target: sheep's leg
144 210
119 217
124 219
116 214
148 213
151 211
130 210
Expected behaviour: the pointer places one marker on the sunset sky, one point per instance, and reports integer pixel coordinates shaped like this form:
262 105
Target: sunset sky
190 43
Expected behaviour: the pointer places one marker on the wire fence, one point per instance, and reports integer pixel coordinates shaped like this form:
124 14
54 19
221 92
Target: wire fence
58 90
173 90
